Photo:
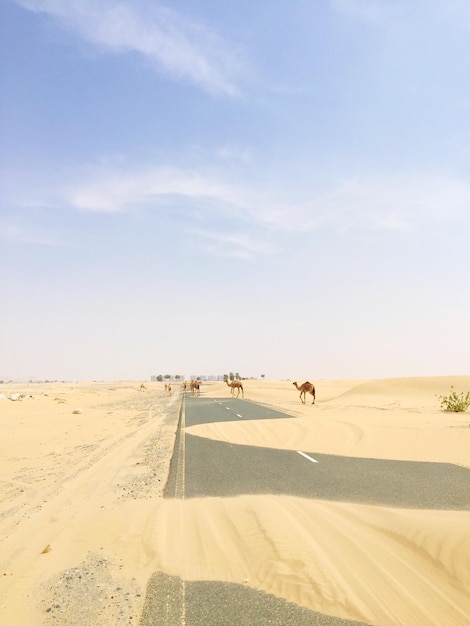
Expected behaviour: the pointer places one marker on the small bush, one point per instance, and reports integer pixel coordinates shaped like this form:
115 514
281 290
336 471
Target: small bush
454 402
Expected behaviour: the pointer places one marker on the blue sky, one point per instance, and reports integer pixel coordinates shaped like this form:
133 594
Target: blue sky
276 188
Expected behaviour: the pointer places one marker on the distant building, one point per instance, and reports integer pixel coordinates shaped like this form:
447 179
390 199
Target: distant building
172 377
207 377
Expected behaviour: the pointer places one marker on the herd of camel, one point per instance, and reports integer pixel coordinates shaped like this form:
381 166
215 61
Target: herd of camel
195 387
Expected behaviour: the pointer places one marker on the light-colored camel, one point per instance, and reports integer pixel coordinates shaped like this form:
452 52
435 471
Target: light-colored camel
305 388
235 384
143 387
195 388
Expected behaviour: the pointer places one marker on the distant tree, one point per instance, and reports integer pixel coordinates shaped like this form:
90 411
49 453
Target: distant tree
159 378
262 375
177 377
168 376
237 376
231 376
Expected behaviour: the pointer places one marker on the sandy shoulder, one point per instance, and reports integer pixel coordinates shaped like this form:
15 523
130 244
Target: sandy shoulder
71 455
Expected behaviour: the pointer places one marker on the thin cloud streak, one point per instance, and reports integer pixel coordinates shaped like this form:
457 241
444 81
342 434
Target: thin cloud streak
385 13
16 235
402 203
368 10
119 192
184 50
237 245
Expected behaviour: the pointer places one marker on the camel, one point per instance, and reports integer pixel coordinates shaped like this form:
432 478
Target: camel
305 388
143 387
195 388
169 389
236 384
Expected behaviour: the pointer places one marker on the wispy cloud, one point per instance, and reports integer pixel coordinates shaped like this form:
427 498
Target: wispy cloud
24 234
403 202
244 220
153 186
370 10
181 48
385 12
239 245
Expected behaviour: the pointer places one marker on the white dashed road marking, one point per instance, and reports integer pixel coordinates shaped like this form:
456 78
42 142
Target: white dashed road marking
306 456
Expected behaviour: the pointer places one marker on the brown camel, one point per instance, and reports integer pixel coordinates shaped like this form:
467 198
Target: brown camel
235 384
305 388
195 388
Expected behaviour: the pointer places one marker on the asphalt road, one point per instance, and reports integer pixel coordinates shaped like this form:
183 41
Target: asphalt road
214 468
205 468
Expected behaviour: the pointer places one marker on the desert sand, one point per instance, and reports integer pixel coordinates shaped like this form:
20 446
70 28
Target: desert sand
83 524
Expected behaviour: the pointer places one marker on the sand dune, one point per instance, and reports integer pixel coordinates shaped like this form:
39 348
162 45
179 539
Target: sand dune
376 565
83 525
